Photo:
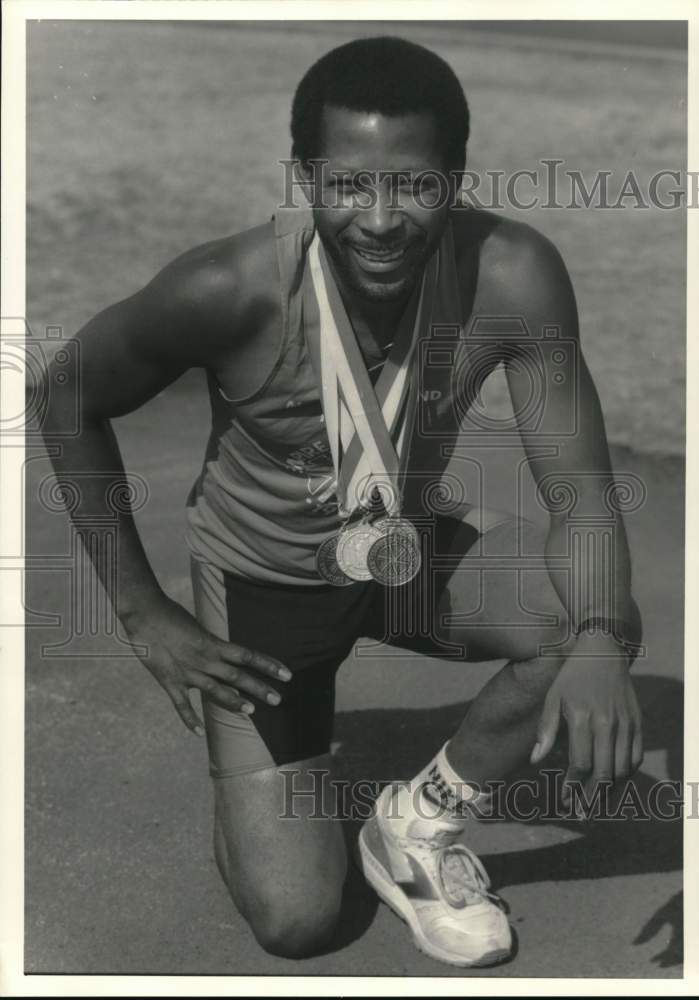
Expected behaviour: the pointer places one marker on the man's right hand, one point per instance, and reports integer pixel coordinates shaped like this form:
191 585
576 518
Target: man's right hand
182 655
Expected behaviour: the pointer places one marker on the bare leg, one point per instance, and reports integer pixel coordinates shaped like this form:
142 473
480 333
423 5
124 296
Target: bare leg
499 730
500 604
284 867
285 873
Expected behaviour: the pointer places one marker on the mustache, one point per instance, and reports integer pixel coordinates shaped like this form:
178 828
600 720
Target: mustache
386 248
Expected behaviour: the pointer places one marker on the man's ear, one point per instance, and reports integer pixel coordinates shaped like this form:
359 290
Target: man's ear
305 177
456 179
302 172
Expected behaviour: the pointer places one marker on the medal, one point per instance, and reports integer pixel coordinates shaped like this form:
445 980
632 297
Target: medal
327 565
353 545
394 558
393 523
368 427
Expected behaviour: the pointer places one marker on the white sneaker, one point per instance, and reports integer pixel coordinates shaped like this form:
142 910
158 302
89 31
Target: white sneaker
438 887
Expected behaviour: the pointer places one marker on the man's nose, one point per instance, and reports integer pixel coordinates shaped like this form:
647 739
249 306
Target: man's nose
381 218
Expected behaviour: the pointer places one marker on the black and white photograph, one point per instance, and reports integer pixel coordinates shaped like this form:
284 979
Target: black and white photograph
347 562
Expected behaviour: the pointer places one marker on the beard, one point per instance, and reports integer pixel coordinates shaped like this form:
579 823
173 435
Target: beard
374 289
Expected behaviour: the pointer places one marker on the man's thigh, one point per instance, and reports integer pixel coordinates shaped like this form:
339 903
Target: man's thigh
483 592
311 631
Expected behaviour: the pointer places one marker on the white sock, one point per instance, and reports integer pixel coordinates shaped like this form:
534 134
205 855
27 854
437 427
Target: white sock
436 800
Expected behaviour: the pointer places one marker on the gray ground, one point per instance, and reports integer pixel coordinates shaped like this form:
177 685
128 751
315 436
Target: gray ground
146 140
121 877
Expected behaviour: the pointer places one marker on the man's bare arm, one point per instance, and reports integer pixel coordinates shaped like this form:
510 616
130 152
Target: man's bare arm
593 691
568 451
127 354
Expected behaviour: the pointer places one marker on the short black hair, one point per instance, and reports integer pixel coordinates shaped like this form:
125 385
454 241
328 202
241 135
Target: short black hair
387 75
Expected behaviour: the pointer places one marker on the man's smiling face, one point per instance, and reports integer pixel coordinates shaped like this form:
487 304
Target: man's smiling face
377 228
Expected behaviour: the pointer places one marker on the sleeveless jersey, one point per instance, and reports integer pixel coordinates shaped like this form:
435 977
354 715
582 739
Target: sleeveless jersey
265 499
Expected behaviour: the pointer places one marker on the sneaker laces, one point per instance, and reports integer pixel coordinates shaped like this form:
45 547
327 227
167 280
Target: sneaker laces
460 875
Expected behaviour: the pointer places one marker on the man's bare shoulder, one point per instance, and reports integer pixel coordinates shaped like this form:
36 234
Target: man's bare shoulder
513 266
227 288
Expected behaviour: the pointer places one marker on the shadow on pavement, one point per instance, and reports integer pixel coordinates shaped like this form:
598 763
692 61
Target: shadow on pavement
670 915
377 746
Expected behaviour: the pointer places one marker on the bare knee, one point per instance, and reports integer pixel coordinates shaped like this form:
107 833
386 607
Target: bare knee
536 655
546 638
544 645
294 930
289 920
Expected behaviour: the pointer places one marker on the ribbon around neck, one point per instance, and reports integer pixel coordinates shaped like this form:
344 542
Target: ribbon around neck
363 420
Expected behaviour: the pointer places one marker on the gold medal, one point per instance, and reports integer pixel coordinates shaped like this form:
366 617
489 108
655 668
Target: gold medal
394 522
394 558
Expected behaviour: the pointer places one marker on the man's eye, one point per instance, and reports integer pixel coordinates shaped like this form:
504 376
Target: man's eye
343 184
417 186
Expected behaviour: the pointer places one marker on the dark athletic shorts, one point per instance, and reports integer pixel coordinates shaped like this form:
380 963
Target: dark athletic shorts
312 630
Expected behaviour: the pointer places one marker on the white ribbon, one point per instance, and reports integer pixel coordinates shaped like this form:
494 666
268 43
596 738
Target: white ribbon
346 414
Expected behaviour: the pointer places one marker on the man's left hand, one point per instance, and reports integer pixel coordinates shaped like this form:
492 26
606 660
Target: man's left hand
594 693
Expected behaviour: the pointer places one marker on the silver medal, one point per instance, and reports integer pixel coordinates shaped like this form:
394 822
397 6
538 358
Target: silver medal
353 545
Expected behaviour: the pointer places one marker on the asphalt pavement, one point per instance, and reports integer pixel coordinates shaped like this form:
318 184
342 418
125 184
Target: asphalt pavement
120 870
